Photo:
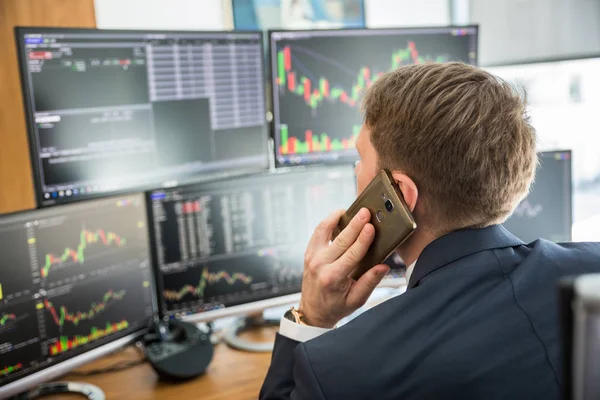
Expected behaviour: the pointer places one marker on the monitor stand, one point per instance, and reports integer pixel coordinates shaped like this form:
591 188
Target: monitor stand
231 334
88 391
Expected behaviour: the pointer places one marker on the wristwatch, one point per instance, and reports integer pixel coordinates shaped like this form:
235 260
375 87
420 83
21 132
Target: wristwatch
295 315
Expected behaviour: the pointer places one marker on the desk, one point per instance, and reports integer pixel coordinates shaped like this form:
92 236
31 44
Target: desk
232 375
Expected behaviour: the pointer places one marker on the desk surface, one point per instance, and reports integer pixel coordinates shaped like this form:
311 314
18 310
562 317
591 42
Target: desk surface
232 375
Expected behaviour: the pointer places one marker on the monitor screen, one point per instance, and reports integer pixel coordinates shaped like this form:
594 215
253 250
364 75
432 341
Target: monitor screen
319 77
546 212
111 111
240 241
74 278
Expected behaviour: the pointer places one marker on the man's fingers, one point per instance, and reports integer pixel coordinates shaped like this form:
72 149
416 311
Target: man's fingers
322 234
363 288
356 252
348 236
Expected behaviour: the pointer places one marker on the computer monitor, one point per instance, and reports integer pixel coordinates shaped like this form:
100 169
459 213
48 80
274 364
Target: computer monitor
111 111
319 77
237 246
546 213
75 284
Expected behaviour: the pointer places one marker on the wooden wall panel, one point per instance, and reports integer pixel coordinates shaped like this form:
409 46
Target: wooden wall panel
16 182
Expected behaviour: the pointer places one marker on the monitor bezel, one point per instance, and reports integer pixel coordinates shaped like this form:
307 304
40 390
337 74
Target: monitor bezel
239 309
37 171
52 371
340 32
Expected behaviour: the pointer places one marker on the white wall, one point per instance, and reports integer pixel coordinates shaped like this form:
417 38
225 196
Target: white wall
517 30
217 14
160 14
394 13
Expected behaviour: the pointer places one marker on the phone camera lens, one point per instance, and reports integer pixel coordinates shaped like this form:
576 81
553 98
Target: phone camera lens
389 206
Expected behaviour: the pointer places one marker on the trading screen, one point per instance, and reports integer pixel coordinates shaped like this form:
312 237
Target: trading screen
546 212
241 240
72 279
110 111
319 77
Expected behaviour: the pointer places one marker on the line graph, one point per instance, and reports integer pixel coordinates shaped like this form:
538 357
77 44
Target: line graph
207 278
77 255
66 343
63 315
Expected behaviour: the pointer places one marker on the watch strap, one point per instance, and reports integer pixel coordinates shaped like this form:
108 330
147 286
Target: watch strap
295 315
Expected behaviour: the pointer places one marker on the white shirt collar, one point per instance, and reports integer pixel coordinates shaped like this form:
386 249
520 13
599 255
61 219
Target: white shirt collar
409 271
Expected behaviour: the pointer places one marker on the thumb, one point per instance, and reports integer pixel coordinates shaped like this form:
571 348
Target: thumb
362 289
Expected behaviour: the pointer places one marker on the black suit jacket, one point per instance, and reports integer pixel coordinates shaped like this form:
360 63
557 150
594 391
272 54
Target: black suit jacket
479 320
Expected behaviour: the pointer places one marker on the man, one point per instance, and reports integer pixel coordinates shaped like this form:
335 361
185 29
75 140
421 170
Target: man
479 319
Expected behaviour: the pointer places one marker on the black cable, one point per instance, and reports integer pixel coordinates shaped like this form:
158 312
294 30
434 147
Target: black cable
116 367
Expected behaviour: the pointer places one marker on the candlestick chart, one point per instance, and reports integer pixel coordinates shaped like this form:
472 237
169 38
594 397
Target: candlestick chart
61 314
319 82
5 319
228 281
85 314
65 343
9 369
17 316
9 320
77 253
70 248
207 278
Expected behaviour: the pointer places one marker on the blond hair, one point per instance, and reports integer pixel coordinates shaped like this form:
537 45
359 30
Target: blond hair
460 133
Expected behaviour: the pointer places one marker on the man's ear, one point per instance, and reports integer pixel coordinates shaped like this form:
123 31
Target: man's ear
408 188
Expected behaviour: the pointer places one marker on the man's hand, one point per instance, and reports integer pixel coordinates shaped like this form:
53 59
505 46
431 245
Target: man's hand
328 293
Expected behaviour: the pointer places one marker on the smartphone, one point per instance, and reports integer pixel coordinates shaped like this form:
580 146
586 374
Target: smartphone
390 216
